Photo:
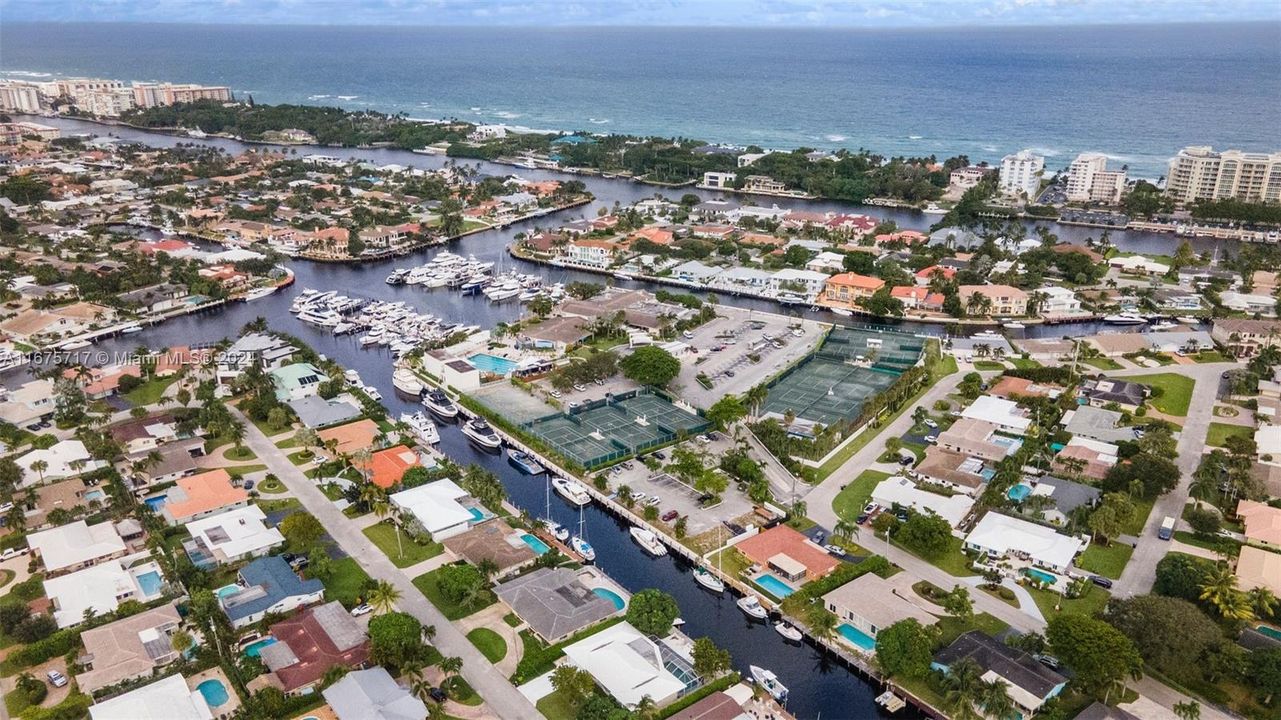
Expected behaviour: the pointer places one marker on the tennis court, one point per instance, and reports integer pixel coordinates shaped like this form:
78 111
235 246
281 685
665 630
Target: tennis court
606 430
831 385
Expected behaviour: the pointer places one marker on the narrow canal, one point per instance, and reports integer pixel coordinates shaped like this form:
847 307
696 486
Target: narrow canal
820 686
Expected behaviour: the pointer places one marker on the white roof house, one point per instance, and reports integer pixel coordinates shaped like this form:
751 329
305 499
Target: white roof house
1000 535
901 491
62 460
237 534
1003 413
167 699
101 588
76 544
626 663
437 508
1268 440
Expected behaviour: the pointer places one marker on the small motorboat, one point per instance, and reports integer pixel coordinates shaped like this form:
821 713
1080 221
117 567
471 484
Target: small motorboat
1188 320
787 631
752 607
649 541
76 345
933 209
525 462
1125 319
438 402
583 548
557 530
130 329
372 392
1014 325
479 432
891 702
769 682
709 581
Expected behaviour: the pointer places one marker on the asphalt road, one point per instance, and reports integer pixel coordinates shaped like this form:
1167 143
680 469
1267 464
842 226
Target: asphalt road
500 696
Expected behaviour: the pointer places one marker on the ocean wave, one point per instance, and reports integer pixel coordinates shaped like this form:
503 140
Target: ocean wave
988 148
915 137
475 109
835 138
316 97
1047 152
26 73
598 121
346 97
506 114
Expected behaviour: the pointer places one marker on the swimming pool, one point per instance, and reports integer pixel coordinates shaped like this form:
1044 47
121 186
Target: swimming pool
150 583
538 546
155 502
1019 492
1270 632
611 596
1041 576
476 514
859 638
253 649
214 691
491 363
226 590
774 586
94 495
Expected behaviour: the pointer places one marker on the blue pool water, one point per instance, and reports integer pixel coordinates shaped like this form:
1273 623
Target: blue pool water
476 514
226 590
1040 575
214 691
150 583
155 502
858 637
774 586
95 495
1270 632
538 546
255 648
611 596
1020 491
491 363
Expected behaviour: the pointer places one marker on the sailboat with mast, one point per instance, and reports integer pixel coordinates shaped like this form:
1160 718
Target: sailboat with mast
579 542
557 530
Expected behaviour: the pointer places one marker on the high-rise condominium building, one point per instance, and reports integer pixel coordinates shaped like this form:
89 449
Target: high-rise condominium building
1021 173
1199 173
147 95
1089 180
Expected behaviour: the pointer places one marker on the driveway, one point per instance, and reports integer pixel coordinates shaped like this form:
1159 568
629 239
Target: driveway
499 695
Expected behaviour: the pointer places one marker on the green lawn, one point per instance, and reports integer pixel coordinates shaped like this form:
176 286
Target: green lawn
988 365
346 583
1220 432
950 628
953 562
1091 603
384 536
1210 356
1142 509
1106 561
556 707
150 391
1024 363
239 453
489 643
851 500
279 505
1177 392
459 691
1224 546
427 584
1103 363
271 486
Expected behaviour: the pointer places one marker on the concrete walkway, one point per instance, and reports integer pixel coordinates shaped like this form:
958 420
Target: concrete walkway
1026 604
501 698
492 619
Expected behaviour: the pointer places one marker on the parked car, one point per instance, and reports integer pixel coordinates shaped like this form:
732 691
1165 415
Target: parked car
437 694
56 678
653 501
670 515
362 609
931 440
836 550
871 508
555 393
1102 582
819 537
1049 661
861 518
579 388
929 423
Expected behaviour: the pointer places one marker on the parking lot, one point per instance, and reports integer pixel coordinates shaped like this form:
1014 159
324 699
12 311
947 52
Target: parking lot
675 495
738 334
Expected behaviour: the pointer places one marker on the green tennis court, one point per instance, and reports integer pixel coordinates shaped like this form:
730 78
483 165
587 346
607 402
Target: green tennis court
606 430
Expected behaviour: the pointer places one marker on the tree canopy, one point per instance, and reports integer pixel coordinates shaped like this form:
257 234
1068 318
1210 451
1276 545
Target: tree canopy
650 365
652 612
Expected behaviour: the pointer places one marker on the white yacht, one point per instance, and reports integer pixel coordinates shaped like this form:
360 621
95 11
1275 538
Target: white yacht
787 631
769 682
422 427
933 209
557 530
649 541
439 403
319 316
372 392
479 432
571 491
261 292
709 581
404 380
752 607
1128 318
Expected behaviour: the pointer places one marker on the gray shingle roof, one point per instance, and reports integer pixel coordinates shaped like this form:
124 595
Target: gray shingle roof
554 602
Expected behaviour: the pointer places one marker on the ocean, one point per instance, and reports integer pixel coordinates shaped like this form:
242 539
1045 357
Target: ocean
1136 93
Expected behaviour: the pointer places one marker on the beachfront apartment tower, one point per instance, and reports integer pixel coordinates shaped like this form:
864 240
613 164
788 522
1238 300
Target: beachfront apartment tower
19 97
1021 173
1089 180
1199 173
146 95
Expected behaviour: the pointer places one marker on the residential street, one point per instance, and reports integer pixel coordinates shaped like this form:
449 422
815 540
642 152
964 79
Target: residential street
1140 572
500 696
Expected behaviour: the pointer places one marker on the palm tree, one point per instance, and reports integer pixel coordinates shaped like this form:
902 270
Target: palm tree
646 709
995 700
822 623
487 567
383 597
1262 601
40 466
755 397
1219 588
236 431
360 460
450 666
964 687
383 510
845 529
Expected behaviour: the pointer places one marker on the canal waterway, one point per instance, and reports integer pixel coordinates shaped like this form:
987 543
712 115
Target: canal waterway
820 685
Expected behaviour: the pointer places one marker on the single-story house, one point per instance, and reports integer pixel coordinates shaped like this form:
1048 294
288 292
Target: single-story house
166 699
269 585
76 545
1091 458
1262 522
978 438
387 467
298 380
231 536
200 496
1006 415
1259 568
554 603
1097 424
903 492
789 553
64 459
316 412
1028 683
127 649
102 587
351 437
957 470
373 695
871 603
1012 388
493 540
310 643
626 664
1105 391
1001 535
1066 495
440 507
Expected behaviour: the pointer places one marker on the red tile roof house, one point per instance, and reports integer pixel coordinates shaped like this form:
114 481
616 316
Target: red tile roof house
310 643
925 275
789 554
917 298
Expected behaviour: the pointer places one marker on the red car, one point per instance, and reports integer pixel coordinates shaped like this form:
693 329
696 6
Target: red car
670 515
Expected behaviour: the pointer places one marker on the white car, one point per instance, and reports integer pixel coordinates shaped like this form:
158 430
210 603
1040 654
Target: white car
555 393
56 678
579 388
361 609
929 423
654 501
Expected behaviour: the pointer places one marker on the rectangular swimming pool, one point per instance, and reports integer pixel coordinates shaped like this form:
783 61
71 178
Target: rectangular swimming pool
774 586
485 362
538 546
860 639
1040 576
150 583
